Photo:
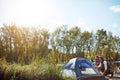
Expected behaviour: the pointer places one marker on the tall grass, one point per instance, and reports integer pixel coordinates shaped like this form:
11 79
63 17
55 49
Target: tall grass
37 70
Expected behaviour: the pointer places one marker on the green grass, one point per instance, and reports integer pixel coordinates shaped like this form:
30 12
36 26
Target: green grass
37 70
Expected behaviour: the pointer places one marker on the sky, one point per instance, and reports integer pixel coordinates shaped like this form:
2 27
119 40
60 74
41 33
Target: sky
89 15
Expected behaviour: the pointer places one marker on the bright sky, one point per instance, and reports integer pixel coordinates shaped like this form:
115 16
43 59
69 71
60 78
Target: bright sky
88 14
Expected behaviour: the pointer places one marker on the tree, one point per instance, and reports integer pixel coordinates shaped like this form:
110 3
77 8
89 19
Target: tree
101 37
74 36
85 39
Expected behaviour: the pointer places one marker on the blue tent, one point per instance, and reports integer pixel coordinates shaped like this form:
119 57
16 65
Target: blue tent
79 67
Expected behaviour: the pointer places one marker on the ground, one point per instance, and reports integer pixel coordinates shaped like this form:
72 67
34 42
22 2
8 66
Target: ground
115 77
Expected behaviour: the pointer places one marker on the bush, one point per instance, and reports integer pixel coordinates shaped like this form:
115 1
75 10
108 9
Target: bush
33 71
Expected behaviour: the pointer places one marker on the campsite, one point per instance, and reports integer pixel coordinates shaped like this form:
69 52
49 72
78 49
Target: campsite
26 56
81 68
59 39
87 70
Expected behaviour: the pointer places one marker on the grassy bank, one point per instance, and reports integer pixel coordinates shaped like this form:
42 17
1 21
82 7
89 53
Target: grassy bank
33 71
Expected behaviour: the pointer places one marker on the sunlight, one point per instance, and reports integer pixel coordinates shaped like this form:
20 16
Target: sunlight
32 12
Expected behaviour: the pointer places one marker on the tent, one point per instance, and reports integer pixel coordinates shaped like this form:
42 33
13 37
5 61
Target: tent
80 68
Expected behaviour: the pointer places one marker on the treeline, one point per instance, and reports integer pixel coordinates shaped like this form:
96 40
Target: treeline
24 44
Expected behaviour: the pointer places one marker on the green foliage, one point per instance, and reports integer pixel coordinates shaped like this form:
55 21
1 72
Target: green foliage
67 78
29 72
23 44
24 52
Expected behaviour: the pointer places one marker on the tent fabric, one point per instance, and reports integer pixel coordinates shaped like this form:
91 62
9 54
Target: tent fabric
76 67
